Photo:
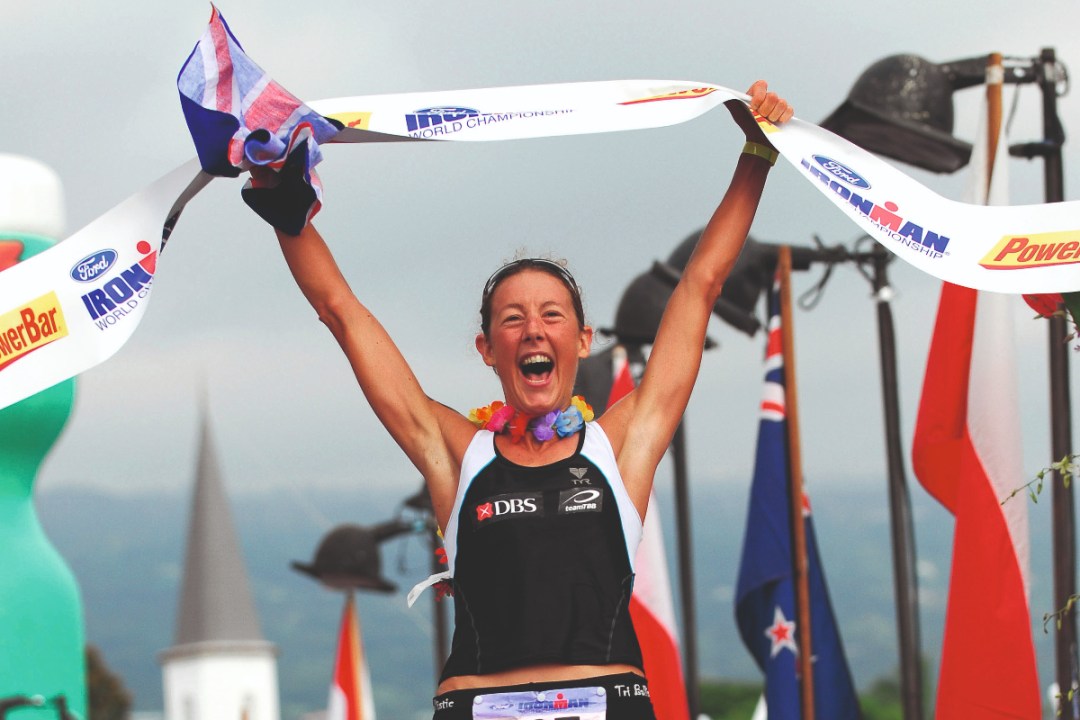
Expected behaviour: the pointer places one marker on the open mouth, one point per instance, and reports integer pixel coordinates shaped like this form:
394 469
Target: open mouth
536 367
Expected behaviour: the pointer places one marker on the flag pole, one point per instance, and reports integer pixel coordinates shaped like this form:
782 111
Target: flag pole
358 653
905 580
995 77
1067 671
798 524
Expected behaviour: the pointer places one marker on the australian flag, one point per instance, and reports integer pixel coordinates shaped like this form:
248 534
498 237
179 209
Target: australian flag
240 118
765 597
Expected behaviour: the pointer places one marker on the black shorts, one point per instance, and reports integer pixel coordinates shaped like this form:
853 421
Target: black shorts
627 697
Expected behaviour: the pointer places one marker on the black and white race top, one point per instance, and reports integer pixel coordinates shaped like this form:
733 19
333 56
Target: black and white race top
541 560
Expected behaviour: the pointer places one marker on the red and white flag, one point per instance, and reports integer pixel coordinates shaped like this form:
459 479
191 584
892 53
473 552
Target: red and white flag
350 690
967 454
651 605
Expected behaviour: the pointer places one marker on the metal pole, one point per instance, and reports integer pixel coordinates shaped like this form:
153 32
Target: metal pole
1064 522
800 559
686 570
905 582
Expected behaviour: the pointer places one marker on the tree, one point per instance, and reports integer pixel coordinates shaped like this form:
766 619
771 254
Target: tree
108 699
728 700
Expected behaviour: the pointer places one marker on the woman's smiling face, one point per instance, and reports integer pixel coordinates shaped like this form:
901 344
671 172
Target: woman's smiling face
535 341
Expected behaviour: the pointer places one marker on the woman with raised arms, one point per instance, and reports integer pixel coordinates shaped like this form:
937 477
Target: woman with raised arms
541 508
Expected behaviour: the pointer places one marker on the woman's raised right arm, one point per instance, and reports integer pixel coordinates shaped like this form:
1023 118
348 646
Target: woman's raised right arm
432 436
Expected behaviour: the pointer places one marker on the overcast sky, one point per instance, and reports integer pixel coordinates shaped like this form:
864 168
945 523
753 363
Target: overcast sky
418 227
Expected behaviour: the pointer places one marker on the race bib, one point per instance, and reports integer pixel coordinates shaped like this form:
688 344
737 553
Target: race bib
585 703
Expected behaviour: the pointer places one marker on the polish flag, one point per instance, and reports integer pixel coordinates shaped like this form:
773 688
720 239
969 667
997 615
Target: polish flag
967 454
651 605
350 691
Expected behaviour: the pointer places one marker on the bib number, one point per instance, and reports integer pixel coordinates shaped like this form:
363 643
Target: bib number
585 703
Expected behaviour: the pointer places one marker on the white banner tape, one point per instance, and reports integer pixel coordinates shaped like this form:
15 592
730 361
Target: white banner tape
74 305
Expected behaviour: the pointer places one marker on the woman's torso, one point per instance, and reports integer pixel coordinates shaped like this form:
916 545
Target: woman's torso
542 560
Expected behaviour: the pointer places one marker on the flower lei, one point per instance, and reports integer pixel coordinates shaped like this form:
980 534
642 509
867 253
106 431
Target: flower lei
498 417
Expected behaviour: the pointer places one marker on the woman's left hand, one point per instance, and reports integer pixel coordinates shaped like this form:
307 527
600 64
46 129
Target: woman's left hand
767 104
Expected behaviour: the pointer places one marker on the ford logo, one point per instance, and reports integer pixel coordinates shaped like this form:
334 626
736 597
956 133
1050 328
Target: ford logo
842 172
92 266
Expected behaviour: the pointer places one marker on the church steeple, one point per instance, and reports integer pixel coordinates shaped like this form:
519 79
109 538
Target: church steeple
216 602
220 666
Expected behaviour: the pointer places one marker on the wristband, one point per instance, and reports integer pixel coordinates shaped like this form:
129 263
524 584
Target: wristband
764 152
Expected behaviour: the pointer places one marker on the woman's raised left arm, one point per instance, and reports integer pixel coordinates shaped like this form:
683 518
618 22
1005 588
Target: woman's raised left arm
642 425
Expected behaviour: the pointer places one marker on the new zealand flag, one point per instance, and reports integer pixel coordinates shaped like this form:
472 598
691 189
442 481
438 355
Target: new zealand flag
765 597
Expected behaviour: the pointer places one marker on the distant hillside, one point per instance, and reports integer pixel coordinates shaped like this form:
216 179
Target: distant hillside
127 552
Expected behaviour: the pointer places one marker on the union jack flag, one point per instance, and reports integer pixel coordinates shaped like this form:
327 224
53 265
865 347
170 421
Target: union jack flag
765 595
240 118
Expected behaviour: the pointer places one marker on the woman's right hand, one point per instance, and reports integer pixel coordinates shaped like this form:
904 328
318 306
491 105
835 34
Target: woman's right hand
263 177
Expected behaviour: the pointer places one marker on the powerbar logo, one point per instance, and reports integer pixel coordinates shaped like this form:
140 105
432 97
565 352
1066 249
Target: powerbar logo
886 217
1037 250
353 119
674 95
764 123
30 327
436 121
123 292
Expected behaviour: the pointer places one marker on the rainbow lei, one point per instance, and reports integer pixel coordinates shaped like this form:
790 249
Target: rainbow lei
498 417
